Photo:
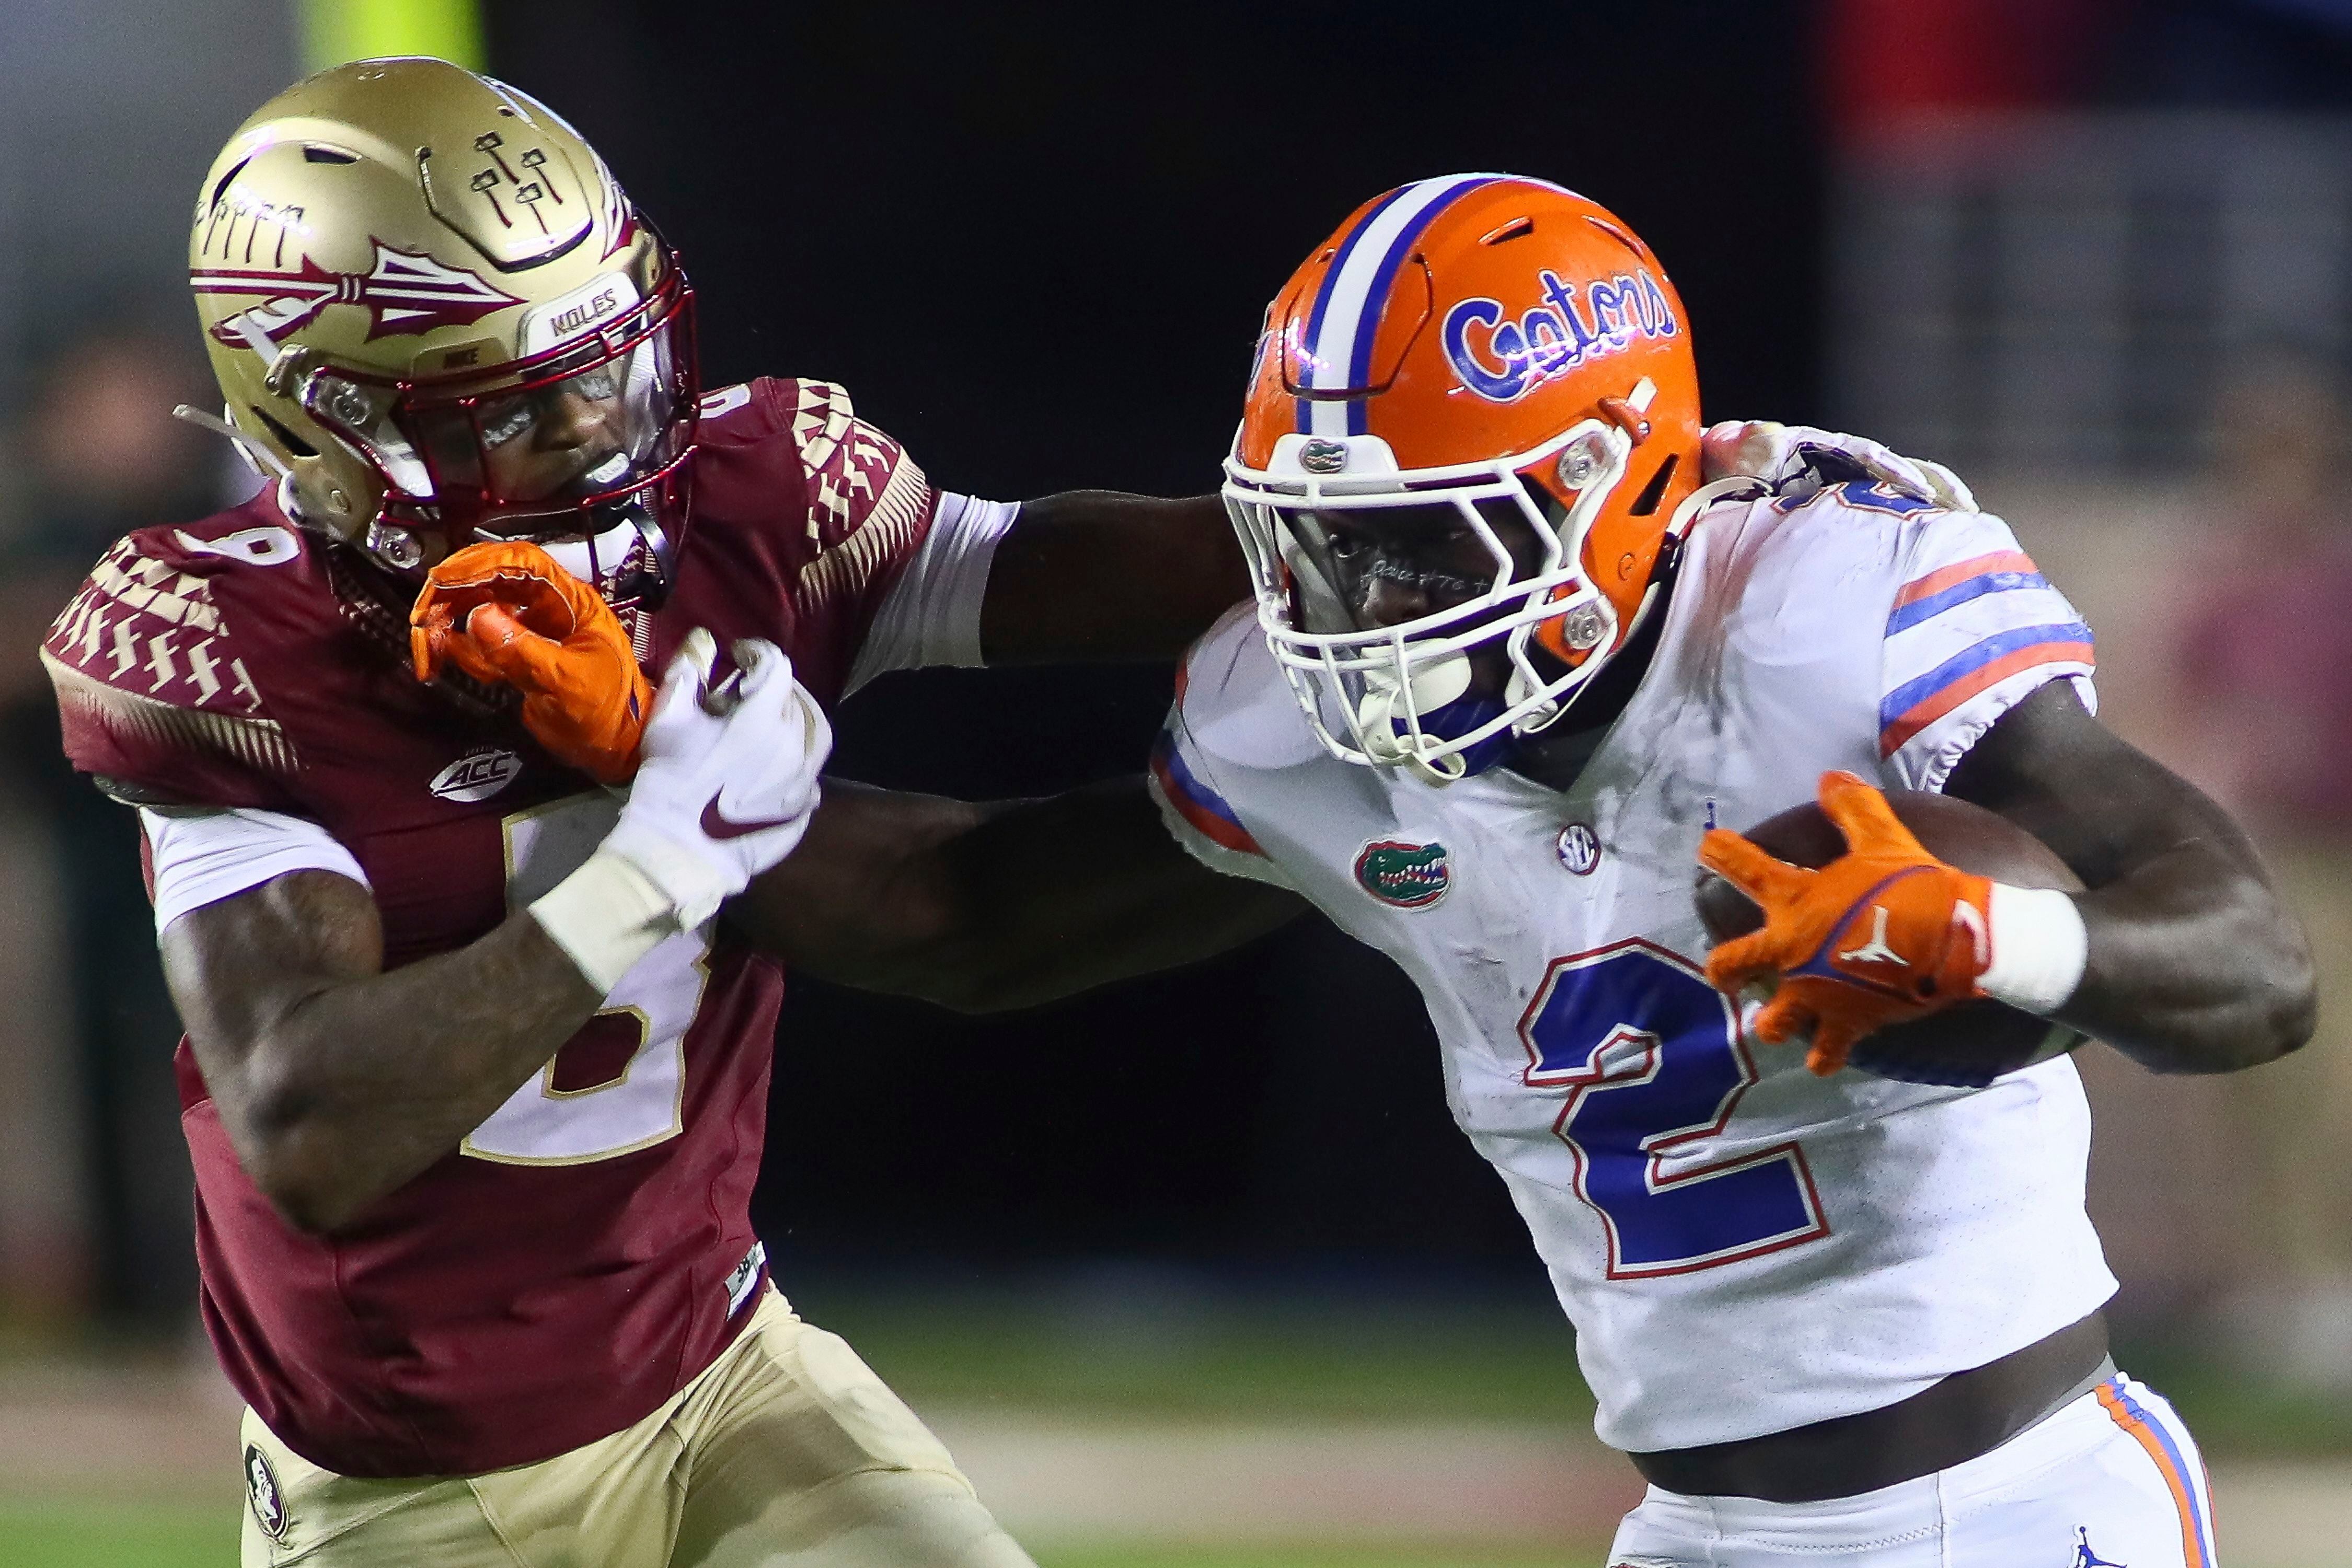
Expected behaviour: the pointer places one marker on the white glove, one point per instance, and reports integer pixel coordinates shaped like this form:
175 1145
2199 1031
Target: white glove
725 788
727 778
1798 460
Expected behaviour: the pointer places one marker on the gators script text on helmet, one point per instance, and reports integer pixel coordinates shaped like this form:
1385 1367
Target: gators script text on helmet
1476 338
431 309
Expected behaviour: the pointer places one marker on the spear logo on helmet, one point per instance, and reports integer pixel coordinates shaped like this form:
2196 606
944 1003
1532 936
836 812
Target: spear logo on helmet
406 293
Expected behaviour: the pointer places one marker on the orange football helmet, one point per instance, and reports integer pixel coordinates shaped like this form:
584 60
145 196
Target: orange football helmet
1475 338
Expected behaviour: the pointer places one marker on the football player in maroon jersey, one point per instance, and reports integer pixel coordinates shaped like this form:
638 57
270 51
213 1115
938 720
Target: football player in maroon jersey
476 1072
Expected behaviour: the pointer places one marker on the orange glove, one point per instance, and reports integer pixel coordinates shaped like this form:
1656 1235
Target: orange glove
1884 934
505 612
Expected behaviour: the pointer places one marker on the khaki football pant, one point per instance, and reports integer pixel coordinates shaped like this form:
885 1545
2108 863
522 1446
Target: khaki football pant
787 1453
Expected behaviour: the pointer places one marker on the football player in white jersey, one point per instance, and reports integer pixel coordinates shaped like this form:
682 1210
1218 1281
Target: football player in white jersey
1512 668
1510 662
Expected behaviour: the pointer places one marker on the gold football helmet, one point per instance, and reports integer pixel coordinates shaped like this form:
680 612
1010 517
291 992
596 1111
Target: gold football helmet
433 312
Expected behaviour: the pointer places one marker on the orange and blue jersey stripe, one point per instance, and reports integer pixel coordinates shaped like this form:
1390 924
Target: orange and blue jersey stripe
1195 802
1918 703
2184 1476
1925 599
1915 704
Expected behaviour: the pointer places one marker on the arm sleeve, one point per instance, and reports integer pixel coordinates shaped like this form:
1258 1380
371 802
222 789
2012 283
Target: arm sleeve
201 857
931 613
1974 629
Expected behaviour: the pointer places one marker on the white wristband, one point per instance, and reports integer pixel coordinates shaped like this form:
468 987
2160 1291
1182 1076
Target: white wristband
688 883
606 915
2040 948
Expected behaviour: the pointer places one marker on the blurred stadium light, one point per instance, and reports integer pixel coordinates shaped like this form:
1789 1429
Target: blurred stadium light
334 31
2070 290
112 108
2012 283
2098 255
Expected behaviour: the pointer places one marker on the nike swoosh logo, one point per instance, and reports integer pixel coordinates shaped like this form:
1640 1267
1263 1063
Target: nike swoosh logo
718 825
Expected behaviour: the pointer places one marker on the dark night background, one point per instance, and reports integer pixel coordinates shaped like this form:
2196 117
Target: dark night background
1034 242
1034 245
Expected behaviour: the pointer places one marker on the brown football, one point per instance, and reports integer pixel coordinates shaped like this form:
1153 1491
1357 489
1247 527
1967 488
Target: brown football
1974 1042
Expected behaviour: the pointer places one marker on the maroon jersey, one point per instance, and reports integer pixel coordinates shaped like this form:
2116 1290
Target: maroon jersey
588 1249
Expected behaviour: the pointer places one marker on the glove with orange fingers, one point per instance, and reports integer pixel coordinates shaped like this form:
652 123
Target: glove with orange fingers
1882 934
504 611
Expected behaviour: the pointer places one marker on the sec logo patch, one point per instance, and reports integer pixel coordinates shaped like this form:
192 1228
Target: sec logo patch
262 1493
1579 848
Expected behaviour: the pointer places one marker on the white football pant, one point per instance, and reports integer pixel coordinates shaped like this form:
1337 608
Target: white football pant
2111 1480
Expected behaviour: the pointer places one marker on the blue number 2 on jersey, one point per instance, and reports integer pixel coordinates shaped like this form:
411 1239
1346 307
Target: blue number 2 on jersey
1651 1054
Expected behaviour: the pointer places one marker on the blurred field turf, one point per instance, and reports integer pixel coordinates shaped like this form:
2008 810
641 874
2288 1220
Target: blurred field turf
1176 1362
2234 1416
1273 1362
1552 1556
1431 1363
97 1535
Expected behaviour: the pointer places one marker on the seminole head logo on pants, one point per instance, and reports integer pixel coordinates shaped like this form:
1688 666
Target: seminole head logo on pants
261 1491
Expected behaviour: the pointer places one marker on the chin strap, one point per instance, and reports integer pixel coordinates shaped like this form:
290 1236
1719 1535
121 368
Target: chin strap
260 459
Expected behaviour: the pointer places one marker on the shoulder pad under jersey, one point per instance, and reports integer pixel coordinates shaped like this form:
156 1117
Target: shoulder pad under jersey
154 695
1788 577
1235 701
867 502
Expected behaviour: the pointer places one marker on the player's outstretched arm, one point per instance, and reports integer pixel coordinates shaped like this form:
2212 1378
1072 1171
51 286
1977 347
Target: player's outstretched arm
2194 964
983 908
337 1081
1096 575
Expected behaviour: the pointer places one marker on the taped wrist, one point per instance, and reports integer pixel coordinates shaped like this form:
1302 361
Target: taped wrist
2040 948
606 916
694 887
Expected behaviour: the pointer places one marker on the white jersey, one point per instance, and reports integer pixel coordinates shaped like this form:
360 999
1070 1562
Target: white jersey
1743 1248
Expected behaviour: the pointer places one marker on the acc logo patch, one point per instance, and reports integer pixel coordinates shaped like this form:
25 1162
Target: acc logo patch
1409 876
478 775
726 400
261 1491
746 1275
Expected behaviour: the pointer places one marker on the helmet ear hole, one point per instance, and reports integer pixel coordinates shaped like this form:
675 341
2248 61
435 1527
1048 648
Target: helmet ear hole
1646 503
286 438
